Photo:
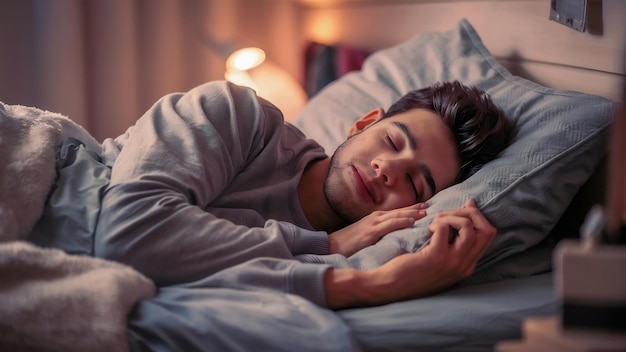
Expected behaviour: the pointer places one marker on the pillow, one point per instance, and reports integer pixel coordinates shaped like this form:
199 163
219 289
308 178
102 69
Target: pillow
561 138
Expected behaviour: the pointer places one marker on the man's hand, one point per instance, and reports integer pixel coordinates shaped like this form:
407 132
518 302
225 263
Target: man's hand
474 235
371 228
434 268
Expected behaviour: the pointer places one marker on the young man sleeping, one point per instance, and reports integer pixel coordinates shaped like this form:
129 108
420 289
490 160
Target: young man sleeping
211 184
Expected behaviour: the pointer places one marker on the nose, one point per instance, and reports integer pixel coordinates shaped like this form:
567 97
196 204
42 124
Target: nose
389 170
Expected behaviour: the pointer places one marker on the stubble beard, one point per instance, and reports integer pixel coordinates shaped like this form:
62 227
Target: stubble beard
338 200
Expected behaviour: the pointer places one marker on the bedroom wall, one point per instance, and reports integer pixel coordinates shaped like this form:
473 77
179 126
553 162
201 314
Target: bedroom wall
104 62
517 32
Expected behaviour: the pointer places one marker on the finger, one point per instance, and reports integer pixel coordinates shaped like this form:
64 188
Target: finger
394 224
414 212
470 203
463 225
466 237
464 211
484 241
439 239
415 206
480 222
471 212
467 207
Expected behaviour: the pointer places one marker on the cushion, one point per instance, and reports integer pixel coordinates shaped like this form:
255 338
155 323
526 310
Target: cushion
561 138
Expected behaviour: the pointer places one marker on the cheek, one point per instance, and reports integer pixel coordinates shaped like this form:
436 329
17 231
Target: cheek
445 171
356 152
346 150
450 174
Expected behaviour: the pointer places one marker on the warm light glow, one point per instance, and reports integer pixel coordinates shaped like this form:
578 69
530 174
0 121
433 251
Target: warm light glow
245 59
274 84
247 67
241 78
322 29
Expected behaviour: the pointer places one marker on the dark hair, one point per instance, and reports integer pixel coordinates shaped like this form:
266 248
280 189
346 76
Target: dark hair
479 128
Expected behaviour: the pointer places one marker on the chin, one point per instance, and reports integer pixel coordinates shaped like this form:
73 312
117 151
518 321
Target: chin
342 205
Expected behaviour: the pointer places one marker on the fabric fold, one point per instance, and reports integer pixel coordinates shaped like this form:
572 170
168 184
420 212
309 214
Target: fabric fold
52 300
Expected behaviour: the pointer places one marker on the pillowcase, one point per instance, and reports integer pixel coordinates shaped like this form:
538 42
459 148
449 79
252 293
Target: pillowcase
561 138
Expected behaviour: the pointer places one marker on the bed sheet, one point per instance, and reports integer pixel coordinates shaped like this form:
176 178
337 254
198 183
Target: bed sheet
464 319
201 317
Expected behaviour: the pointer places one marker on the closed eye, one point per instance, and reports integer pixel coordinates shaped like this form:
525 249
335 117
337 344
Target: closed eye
417 195
391 143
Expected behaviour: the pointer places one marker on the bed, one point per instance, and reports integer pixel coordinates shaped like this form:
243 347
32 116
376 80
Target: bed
533 193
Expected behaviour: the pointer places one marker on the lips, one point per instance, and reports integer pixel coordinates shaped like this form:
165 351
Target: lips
363 185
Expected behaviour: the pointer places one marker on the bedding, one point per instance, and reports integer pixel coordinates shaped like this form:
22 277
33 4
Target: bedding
52 300
469 318
561 139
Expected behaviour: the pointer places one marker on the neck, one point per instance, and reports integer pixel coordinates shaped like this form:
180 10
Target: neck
312 199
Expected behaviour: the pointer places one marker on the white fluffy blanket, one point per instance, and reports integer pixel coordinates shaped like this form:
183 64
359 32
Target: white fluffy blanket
50 300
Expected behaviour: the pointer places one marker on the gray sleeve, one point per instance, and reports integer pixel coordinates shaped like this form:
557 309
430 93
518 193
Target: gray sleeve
174 162
302 279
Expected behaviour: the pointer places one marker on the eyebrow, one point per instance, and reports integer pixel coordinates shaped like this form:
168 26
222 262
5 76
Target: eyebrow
428 176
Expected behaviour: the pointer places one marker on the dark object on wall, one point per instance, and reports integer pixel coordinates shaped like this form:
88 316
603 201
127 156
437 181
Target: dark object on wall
325 63
571 13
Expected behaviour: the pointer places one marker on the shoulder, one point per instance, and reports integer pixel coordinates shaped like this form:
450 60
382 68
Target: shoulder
218 99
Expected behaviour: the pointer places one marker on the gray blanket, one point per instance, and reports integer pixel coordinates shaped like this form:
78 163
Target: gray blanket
51 300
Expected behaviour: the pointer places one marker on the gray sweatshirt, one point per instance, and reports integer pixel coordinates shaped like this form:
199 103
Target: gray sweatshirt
204 186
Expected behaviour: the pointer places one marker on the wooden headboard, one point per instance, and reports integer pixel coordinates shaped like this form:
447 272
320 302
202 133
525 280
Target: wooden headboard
518 33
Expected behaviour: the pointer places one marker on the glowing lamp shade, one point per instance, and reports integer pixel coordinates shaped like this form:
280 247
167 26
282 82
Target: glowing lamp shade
245 59
248 67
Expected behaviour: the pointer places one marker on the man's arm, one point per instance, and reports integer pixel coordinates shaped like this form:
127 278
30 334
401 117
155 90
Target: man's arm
176 160
436 267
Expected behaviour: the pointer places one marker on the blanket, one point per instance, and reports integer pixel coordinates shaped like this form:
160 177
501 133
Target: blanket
51 300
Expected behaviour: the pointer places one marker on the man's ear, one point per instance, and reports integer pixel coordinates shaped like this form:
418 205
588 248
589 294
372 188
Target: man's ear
366 120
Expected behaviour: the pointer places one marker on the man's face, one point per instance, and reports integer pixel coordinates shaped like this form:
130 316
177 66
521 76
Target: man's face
399 161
